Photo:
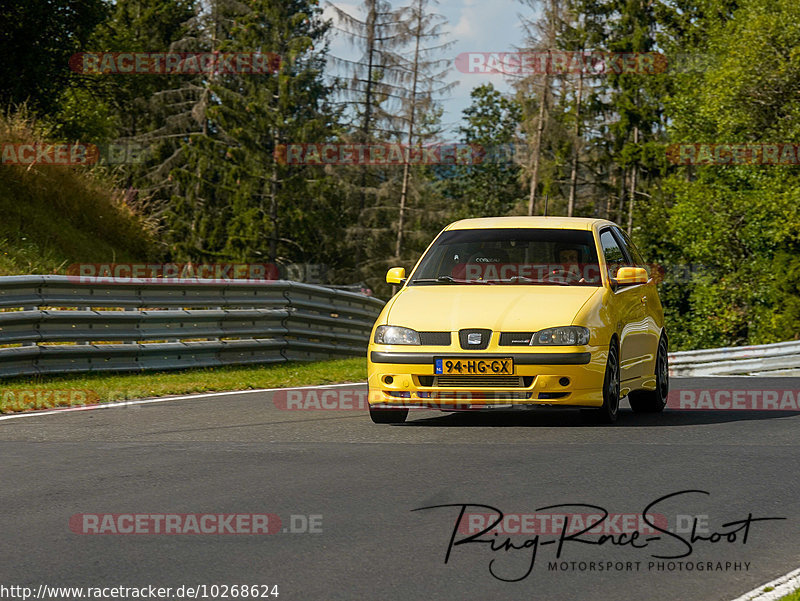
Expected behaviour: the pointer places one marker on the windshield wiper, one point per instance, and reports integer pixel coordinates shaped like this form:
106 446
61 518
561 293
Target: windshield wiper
527 280
448 280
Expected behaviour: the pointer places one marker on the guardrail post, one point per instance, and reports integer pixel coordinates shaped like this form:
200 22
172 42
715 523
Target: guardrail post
126 309
217 309
84 343
30 308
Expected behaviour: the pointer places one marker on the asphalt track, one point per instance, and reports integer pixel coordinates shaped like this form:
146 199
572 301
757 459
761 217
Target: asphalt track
242 454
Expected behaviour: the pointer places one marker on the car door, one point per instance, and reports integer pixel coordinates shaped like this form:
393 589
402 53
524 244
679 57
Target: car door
626 308
653 311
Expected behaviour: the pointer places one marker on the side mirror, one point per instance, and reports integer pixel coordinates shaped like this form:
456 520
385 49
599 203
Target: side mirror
397 275
631 275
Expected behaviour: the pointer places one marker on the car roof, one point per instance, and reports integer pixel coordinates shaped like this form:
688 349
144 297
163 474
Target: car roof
558 223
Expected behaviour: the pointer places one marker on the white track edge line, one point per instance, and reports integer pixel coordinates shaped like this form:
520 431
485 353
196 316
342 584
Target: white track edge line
206 395
782 586
200 395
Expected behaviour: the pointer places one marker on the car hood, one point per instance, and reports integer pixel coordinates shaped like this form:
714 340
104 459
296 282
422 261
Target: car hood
496 307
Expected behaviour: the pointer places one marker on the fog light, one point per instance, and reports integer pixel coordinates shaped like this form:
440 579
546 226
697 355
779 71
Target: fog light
388 379
564 381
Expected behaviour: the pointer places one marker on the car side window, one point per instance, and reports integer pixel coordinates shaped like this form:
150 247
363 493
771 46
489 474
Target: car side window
612 252
631 250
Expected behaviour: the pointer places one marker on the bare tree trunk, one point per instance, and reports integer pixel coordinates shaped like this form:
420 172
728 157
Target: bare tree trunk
406 167
403 194
365 126
623 195
537 151
550 38
613 177
204 102
634 173
198 171
371 17
273 184
273 203
573 179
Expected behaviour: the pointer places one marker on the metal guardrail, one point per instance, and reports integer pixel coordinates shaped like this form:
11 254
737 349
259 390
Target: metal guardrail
781 359
61 324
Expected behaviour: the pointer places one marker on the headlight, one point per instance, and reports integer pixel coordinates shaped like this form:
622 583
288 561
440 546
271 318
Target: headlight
563 336
396 335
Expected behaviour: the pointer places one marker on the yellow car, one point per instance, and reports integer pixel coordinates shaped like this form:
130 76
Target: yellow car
521 312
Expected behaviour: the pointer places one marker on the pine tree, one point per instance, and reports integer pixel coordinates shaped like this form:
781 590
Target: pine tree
423 75
37 39
535 93
636 99
493 185
371 85
237 201
369 90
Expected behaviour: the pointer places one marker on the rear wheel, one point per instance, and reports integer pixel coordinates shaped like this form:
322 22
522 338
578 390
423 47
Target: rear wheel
388 416
654 401
607 413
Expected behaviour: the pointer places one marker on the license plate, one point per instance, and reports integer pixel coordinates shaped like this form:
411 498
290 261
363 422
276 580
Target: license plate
479 367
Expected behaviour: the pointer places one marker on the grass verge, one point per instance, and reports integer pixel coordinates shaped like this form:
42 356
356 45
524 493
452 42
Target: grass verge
795 596
56 215
118 387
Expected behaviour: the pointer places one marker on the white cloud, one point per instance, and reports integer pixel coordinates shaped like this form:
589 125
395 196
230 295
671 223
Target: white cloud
464 27
479 26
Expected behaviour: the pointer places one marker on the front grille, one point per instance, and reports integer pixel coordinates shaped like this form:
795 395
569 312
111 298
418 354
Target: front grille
480 381
462 398
434 338
515 338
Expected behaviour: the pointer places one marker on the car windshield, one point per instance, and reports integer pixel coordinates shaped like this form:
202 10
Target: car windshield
510 256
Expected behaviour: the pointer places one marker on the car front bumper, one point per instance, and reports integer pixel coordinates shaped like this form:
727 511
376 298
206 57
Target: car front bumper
399 377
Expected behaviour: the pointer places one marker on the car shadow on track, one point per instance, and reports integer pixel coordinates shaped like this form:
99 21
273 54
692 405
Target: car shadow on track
548 418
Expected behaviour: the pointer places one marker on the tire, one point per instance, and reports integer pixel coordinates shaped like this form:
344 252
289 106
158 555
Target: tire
654 401
388 416
607 413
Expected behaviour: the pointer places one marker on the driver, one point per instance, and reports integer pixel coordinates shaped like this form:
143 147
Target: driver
568 268
568 257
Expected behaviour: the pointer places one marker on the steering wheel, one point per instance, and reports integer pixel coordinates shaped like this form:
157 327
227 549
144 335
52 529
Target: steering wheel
562 275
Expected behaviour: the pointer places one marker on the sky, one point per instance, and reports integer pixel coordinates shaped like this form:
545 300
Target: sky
474 26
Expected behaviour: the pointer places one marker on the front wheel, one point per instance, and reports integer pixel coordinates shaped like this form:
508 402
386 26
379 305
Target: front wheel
388 416
654 401
607 413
